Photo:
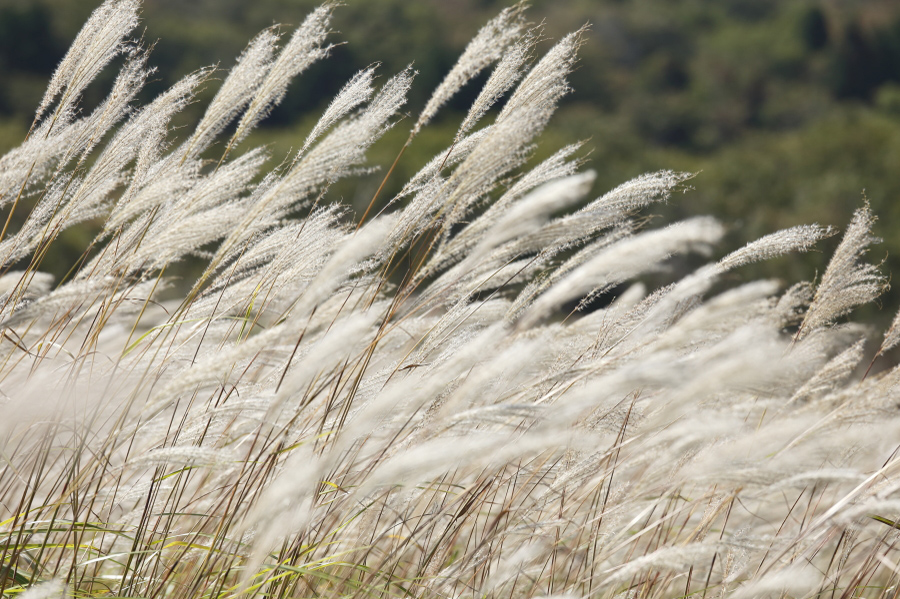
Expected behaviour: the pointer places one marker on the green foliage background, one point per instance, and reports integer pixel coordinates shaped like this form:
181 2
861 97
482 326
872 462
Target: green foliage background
788 109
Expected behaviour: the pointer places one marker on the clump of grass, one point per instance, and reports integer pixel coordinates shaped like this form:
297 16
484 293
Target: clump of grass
406 404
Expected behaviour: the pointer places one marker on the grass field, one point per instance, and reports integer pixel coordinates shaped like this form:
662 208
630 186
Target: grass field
495 383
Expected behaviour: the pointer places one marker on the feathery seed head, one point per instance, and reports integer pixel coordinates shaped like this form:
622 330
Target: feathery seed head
486 47
98 42
305 47
847 282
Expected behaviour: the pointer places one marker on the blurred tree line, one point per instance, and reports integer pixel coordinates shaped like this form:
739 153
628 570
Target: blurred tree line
788 109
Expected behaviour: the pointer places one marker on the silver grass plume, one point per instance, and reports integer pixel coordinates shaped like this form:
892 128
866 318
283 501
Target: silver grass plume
892 336
356 91
98 42
237 91
142 137
209 206
332 158
835 372
503 211
889 341
486 47
53 146
847 282
503 149
639 192
505 75
427 190
545 83
624 260
305 47
533 210
429 174
794 239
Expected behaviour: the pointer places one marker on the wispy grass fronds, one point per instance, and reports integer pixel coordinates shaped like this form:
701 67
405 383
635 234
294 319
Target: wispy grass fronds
505 75
545 83
832 375
355 92
237 91
623 260
847 282
334 157
487 47
500 385
892 336
305 47
795 239
98 42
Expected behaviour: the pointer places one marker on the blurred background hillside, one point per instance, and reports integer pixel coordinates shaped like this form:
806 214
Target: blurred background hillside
788 109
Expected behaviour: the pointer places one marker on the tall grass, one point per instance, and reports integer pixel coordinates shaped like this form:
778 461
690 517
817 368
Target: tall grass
470 392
